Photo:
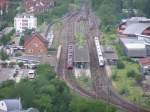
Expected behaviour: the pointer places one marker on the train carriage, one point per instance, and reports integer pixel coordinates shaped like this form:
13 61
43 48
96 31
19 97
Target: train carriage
99 52
70 56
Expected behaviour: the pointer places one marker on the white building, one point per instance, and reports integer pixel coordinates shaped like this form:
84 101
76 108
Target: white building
134 48
24 21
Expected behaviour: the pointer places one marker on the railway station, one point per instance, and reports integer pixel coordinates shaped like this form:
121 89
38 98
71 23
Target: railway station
81 60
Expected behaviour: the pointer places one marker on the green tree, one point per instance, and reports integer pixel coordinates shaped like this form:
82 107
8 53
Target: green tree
131 73
3 55
120 64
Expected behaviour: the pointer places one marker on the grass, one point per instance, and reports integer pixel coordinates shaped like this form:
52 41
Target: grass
85 82
81 104
80 39
126 86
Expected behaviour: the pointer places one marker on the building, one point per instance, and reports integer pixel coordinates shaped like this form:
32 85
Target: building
9 105
134 26
81 56
81 60
36 6
36 45
3 6
145 66
110 54
137 28
24 21
14 105
133 47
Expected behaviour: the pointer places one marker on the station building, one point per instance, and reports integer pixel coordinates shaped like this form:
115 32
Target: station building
81 56
81 61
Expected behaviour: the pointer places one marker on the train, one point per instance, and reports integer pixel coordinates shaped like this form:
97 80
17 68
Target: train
99 52
70 55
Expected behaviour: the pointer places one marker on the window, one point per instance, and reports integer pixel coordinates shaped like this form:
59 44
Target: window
30 50
35 45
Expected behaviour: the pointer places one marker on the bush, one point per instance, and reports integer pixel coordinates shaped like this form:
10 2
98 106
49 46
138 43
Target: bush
131 73
21 64
124 91
114 76
3 55
120 64
139 78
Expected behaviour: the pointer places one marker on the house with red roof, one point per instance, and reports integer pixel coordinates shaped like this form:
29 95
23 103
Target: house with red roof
37 6
35 45
3 5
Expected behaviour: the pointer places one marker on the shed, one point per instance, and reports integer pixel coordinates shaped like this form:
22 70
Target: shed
133 47
81 56
110 54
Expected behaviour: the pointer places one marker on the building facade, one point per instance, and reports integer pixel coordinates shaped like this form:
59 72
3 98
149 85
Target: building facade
36 45
24 21
134 48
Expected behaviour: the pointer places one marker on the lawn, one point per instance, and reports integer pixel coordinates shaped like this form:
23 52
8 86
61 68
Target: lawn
127 86
85 82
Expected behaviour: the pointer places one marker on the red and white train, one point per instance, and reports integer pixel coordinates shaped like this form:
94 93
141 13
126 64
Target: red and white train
70 56
99 52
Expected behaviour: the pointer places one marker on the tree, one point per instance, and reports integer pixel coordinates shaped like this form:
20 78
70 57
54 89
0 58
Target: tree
44 103
3 55
79 104
131 73
5 39
21 42
120 64
26 92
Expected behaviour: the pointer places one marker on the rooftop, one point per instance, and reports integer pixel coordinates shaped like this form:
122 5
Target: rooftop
139 19
6 74
133 43
108 48
13 104
81 53
35 35
109 52
24 15
145 61
136 28
33 6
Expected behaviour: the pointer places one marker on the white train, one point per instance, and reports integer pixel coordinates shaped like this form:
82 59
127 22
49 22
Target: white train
99 52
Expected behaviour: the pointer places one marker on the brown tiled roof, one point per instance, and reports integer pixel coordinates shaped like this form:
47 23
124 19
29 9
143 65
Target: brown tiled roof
28 39
38 5
144 61
3 3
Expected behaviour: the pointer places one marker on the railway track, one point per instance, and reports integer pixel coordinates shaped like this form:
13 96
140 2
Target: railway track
65 74
101 84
